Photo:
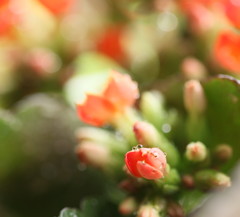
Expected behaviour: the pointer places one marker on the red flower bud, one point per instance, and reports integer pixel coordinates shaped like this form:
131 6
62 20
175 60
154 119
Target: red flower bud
149 163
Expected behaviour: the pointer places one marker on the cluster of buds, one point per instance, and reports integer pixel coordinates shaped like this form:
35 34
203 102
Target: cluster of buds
155 162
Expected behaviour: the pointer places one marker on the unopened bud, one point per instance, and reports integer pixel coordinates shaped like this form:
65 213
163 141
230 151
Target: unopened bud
194 98
43 61
193 69
188 181
152 107
148 211
127 206
150 137
223 152
145 133
175 210
93 154
196 152
212 179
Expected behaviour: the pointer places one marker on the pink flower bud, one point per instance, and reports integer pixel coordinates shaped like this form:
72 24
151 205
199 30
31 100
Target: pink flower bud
193 69
148 163
196 151
148 211
194 98
145 133
93 154
128 206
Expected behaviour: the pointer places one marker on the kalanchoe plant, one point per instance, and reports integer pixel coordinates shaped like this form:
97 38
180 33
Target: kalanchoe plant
156 177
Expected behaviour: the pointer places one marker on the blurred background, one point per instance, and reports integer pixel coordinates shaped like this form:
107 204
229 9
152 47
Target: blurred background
52 51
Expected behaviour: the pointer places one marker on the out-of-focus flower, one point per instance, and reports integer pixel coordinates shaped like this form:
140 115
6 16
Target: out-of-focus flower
148 211
145 133
232 10
202 14
8 18
149 163
194 98
196 151
87 152
110 43
120 92
212 179
192 68
199 14
128 206
43 61
223 152
57 7
227 51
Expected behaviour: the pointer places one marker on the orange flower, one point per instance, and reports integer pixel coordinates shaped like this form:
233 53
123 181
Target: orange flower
57 7
227 51
110 43
120 92
232 10
8 18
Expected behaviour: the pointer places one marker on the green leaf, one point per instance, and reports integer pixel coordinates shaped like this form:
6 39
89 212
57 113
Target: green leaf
69 212
191 200
223 113
10 144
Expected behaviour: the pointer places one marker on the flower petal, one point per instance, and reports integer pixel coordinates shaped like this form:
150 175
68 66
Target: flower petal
156 158
147 171
227 51
96 110
131 159
122 91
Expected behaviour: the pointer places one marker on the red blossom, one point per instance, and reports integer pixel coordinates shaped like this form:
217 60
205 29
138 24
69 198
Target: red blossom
110 43
8 18
232 10
149 163
120 92
227 51
57 7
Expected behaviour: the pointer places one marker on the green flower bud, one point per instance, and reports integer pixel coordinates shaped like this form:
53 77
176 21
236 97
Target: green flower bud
196 152
211 179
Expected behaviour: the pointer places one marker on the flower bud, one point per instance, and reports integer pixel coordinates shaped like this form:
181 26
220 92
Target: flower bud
145 133
188 181
127 206
193 69
148 135
175 210
196 151
152 107
194 98
148 163
93 154
148 211
212 179
223 152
